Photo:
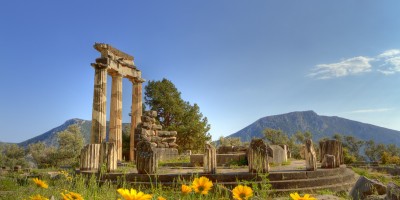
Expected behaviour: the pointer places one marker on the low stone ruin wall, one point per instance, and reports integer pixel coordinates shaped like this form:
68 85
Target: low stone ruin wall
165 154
222 159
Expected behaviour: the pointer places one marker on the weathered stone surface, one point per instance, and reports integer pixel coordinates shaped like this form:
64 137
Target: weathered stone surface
167 133
257 157
328 161
115 134
331 147
153 113
164 154
147 125
365 187
276 154
98 130
231 149
310 156
146 158
108 156
169 139
156 127
90 155
210 159
393 192
172 145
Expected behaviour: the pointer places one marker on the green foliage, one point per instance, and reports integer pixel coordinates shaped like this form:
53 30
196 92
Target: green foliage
70 144
301 137
44 156
126 142
230 141
13 155
176 114
275 136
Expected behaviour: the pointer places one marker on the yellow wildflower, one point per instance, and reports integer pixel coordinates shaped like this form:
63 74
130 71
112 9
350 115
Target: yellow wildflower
40 183
133 194
186 189
202 185
242 192
72 196
296 196
38 197
161 198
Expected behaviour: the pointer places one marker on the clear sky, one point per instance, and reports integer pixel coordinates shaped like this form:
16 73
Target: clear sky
238 60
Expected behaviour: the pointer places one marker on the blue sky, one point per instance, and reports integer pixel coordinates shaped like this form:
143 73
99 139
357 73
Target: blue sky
238 60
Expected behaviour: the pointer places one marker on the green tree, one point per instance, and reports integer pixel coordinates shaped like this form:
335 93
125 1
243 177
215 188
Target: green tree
353 145
70 144
14 155
176 114
275 136
301 137
43 155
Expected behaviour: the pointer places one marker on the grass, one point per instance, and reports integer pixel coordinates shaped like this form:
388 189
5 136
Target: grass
381 177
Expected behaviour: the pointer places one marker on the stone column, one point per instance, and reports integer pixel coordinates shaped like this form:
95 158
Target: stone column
116 113
258 157
210 159
310 156
136 114
98 131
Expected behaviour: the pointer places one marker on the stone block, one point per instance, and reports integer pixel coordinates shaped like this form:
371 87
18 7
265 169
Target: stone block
156 127
90 157
147 125
392 192
167 133
210 159
277 153
258 157
173 145
146 158
108 156
165 154
365 187
328 161
310 156
332 147
169 139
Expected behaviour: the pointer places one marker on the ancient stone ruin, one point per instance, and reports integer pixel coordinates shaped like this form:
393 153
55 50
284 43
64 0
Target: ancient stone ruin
146 158
118 65
164 142
310 156
277 154
210 159
331 147
258 157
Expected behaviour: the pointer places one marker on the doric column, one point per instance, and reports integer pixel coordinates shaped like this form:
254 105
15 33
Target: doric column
116 113
136 114
98 131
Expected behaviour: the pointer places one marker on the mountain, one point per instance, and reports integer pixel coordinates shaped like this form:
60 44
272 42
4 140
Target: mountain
320 126
50 137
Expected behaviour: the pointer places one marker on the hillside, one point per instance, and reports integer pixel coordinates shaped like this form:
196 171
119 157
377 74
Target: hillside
50 137
320 126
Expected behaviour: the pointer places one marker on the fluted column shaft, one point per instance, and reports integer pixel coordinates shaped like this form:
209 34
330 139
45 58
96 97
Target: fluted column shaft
116 114
98 131
136 115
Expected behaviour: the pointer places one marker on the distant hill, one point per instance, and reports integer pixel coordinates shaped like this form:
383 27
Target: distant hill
50 137
320 126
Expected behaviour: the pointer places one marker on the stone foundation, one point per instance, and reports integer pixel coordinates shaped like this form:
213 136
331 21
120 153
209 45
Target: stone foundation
222 159
165 154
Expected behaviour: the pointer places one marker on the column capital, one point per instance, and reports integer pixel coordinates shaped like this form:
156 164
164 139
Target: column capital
137 80
114 73
99 65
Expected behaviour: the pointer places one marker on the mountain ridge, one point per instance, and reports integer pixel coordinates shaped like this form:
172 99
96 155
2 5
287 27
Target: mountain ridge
320 125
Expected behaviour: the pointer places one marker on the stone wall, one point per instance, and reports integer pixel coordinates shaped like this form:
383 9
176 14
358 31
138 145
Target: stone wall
163 141
277 154
222 159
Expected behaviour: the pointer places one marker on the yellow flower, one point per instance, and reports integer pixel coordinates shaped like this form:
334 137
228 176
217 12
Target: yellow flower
242 192
133 195
72 196
202 185
38 197
296 196
40 183
161 198
186 189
